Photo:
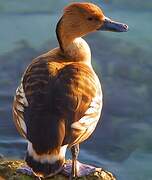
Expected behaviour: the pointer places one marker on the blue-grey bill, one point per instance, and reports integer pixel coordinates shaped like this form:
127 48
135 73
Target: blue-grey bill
114 26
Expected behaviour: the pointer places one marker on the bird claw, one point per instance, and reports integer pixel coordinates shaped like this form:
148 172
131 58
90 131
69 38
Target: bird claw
25 170
83 169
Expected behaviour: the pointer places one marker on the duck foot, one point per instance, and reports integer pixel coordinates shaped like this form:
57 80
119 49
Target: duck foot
82 169
25 170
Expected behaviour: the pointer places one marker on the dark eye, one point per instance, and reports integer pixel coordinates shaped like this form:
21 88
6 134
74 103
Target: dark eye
90 18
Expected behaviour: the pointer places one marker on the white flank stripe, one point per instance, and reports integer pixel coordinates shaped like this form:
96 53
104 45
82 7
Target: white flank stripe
87 122
21 93
17 92
22 123
15 112
21 103
78 125
25 101
91 110
20 100
20 108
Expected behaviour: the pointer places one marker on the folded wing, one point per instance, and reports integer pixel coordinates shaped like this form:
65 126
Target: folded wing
57 105
78 98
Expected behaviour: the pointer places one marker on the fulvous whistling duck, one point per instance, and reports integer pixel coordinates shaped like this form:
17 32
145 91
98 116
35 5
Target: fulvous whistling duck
59 100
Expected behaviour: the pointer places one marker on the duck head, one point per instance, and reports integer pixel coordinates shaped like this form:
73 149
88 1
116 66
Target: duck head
80 19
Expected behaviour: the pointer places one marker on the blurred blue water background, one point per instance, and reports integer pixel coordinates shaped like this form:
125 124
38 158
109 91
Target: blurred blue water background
122 141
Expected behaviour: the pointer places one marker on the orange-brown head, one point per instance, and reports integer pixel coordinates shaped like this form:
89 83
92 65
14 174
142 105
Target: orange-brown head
80 19
83 18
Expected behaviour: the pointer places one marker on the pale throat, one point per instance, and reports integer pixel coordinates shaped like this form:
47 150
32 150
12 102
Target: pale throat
78 50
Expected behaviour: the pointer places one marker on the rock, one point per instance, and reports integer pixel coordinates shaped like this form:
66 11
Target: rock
8 172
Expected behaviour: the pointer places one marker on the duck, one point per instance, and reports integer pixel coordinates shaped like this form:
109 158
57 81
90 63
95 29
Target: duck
59 100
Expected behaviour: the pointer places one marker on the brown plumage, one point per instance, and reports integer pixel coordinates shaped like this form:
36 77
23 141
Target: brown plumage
59 100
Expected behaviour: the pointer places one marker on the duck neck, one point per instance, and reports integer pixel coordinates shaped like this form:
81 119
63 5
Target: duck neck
73 48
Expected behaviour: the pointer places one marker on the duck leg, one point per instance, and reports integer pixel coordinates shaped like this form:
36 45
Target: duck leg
79 169
75 153
74 168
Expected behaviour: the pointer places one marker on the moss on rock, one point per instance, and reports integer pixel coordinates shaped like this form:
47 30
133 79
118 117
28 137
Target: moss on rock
8 172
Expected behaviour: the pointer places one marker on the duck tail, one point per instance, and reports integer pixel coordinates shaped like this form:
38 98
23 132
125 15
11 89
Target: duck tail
46 164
